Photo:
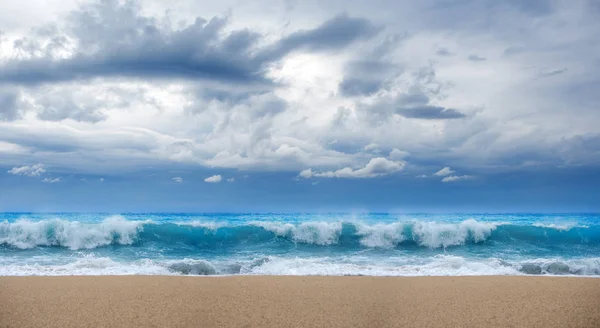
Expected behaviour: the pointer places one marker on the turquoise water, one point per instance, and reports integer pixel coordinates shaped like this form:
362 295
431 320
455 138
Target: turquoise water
300 244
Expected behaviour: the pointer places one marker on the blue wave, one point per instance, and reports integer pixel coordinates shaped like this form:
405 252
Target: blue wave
24 234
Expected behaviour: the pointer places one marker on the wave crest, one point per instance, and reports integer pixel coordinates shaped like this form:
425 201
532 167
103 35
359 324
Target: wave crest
116 230
318 233
26 234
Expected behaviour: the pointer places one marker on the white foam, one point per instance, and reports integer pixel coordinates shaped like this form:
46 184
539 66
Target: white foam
380 235
209 225
559 266
26 234
442 265
86 265
320 233
434 234
560 227
439 265
425 233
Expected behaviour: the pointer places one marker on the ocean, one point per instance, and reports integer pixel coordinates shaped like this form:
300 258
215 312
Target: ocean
299 244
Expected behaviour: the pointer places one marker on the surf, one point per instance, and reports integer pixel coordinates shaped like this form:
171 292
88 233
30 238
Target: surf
118 231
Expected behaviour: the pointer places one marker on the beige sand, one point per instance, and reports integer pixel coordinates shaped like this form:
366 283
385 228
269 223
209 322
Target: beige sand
262 301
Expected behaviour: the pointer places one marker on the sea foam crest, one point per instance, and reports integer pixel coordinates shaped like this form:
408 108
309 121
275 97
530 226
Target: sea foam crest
208 225
427 234
319 233
380 235
25 234
441 265
434 235
560 227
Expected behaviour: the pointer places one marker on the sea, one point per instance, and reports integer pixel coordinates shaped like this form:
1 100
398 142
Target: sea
337 244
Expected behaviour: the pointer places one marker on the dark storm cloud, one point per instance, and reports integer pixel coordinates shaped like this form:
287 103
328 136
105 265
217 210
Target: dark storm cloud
430 113
475 58
333 34
413 105
365 77
225 94
443 52
416 104
359 87
554 72
115 40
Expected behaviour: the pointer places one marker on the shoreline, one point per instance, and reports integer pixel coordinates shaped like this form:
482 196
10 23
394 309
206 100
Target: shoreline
299 301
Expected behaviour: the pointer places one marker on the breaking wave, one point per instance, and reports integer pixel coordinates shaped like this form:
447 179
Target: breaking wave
25 234
117 231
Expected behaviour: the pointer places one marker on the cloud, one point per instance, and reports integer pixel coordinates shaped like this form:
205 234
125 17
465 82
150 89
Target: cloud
397 154
366 77
177 179
237 92
101 180
335 33
213 179
443 172
352 86
454 178
9 101
475 58
553 72
376 167
431 113
113 39
231 180
372 147
414 104
514 50
443 52
30 171
422 176
51 180
64 103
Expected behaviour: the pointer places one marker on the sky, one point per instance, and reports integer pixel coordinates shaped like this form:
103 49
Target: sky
303 106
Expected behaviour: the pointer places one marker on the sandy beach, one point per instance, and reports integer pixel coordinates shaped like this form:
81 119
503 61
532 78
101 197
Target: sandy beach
266 301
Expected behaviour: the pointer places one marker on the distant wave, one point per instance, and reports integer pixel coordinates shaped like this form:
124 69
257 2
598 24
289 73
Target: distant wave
116 230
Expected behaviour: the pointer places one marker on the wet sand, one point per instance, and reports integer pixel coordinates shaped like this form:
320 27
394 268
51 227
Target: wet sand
266 301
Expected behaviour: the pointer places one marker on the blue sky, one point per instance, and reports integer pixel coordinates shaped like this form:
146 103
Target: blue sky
430 106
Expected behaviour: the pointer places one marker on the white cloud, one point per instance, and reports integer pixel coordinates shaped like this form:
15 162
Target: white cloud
372 147
51 180
101 179
454 178
231 180
30 171
510 106
213 179
307 174
397 154
422 176
444 172
376 167
177 179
